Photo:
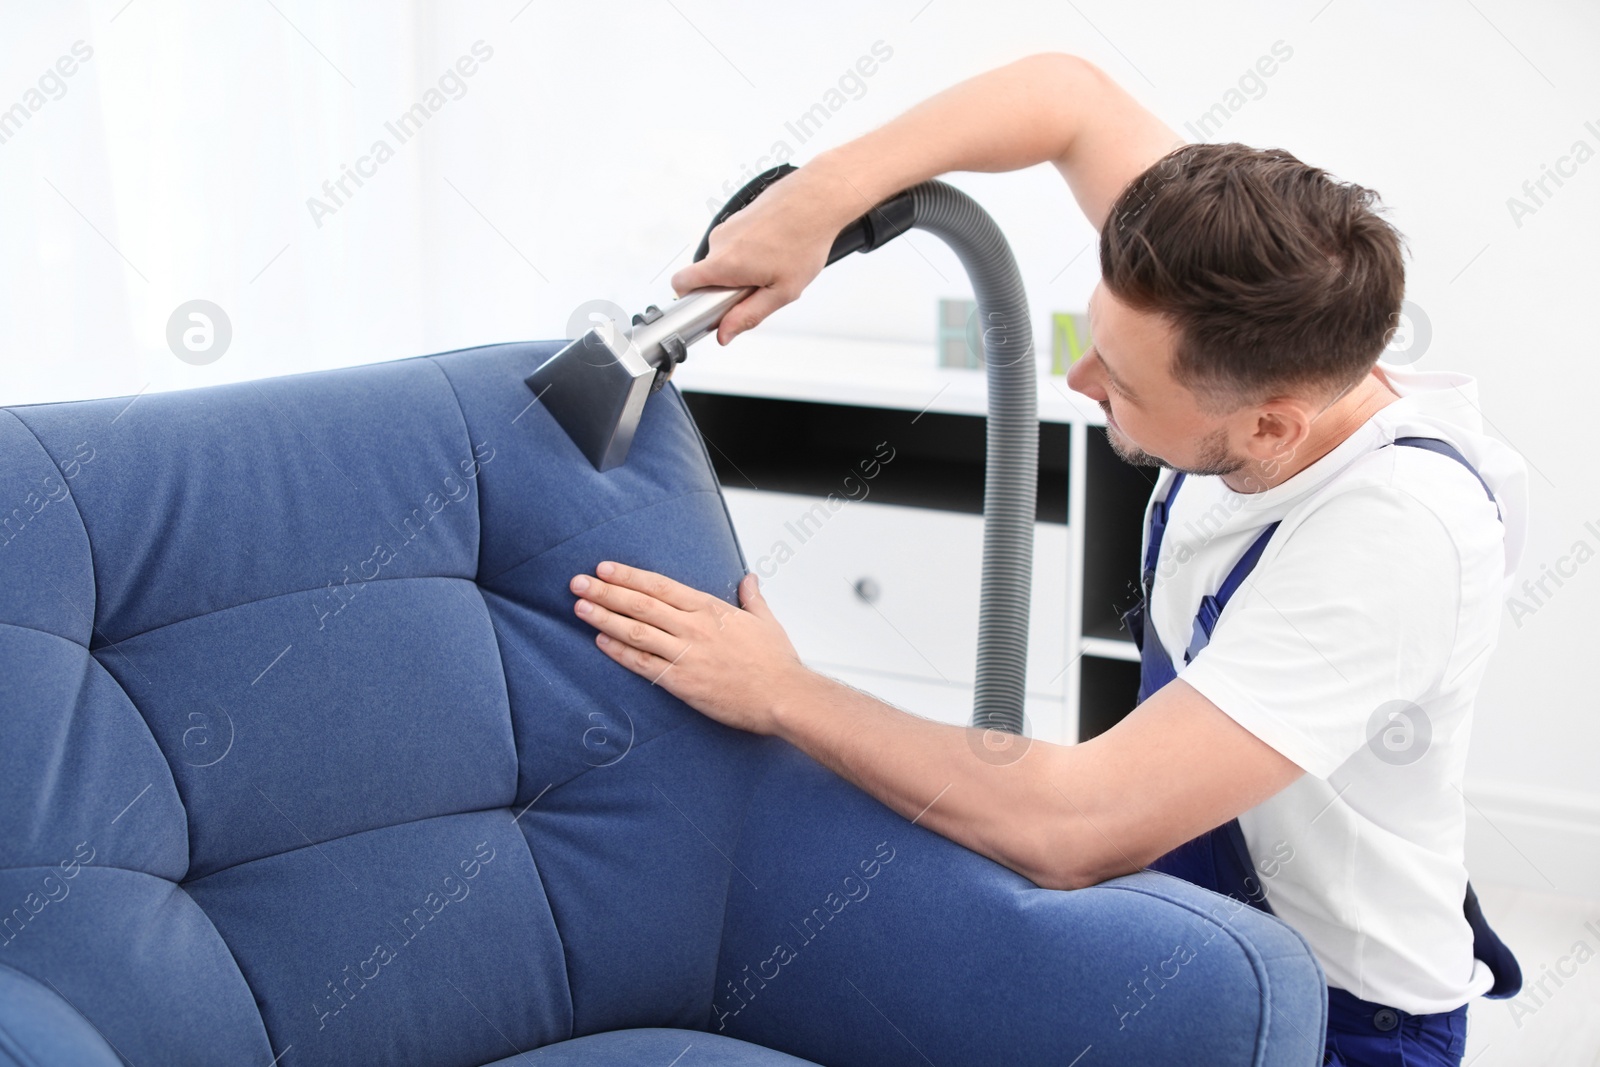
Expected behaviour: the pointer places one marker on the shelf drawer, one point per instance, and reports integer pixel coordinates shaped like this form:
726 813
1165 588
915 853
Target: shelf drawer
893 589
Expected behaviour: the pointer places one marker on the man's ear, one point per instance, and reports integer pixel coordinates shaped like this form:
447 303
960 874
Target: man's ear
1276 431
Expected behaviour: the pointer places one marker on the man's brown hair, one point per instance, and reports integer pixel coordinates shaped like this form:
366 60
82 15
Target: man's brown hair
1275 276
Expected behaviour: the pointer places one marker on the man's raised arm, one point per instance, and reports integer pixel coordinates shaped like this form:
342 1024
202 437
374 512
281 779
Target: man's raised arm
1051 107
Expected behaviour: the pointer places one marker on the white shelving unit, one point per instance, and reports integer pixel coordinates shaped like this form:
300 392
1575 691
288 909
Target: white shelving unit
788 418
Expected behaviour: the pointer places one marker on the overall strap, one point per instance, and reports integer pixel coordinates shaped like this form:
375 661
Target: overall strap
1205 619
1155 666
1211 607
1160 511
1449 451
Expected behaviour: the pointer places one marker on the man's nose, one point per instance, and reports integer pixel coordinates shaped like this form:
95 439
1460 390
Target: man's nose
1081 377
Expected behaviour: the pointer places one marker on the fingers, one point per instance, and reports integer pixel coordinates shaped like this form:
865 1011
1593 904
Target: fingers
690 278
638 618
750 312
696 275
635 614
645 664
769 296
724 267
751 600
628 629
656 586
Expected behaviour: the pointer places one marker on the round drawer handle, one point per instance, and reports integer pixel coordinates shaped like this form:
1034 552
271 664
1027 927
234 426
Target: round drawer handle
868 590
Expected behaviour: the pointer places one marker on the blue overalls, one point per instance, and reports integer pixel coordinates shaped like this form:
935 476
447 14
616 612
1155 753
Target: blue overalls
1359 1031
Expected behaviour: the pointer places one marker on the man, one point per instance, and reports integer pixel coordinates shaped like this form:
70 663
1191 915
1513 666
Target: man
1326 554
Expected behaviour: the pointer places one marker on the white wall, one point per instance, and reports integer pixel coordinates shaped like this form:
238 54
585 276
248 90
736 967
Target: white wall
578 164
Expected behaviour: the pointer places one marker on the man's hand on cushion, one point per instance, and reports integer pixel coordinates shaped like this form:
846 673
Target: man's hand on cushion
727 663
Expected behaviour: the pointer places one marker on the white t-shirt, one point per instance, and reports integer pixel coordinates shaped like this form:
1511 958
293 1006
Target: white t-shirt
1379 594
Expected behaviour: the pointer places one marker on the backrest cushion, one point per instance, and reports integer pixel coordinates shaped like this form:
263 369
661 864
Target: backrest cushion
300 730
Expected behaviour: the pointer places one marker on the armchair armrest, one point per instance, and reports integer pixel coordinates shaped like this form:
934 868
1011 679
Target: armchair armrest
38 1027
856 937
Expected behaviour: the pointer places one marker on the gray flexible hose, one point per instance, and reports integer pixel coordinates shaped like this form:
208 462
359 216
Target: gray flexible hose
1011 465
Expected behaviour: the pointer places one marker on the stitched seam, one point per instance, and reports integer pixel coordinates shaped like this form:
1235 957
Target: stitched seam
407 822
255 998
86 867
727 893
94 571
48 633
55 757
549 903
275 596
505 686
341 837
603 522
83 679
591 768
401 577
477 562
477 569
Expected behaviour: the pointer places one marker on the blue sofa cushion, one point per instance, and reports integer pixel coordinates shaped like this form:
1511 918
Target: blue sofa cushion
357 947
654 1047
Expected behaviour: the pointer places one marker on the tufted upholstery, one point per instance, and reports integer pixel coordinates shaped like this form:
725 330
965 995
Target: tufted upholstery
304 755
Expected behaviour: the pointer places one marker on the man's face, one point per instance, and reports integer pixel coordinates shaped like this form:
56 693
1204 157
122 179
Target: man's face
1151 419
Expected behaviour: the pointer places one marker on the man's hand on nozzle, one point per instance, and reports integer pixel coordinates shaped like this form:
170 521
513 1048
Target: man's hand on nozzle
779 242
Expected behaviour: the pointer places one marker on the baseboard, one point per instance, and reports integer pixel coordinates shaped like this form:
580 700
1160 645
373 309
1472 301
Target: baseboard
1534 838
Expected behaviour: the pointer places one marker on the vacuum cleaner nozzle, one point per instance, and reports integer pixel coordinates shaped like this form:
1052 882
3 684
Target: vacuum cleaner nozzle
596 387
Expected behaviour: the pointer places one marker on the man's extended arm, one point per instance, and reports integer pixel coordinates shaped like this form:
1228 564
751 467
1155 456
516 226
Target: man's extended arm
1063 816
1053 108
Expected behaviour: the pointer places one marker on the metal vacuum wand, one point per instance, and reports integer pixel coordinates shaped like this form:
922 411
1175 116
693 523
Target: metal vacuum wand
596 387
660 335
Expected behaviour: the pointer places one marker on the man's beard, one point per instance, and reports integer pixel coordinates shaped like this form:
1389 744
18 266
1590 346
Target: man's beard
1214 458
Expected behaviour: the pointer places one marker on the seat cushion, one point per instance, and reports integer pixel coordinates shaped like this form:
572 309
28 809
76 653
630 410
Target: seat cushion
654 1048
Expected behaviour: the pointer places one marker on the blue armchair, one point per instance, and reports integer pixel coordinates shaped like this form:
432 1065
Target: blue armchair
306 760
